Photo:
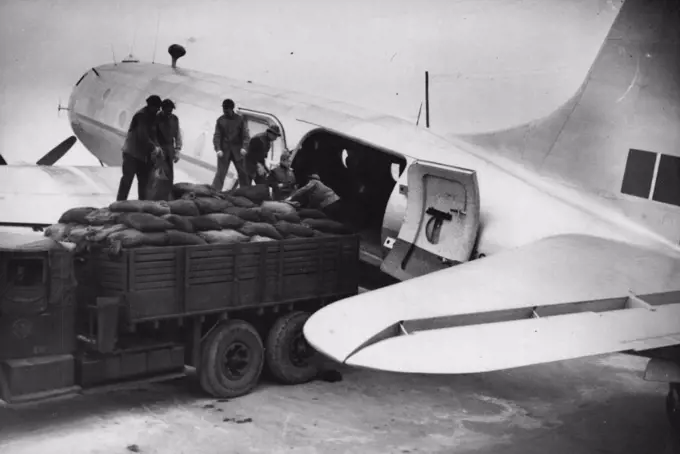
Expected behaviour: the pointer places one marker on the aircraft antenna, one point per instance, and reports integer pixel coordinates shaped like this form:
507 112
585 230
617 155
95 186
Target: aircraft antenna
113 52
155 43
420 110
134 38
427 99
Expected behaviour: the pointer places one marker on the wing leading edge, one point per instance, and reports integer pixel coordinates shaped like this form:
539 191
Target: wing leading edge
38 195
559 298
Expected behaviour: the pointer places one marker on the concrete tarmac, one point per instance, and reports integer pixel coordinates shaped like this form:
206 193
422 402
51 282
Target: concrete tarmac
591 406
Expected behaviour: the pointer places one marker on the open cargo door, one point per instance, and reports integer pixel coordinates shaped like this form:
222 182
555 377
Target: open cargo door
441 222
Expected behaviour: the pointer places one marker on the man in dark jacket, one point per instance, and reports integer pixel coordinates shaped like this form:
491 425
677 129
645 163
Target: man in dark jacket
318 196
230 140
170 140
281 178
258 149
140 143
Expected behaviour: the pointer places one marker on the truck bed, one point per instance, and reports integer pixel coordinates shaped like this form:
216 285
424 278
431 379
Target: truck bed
176 281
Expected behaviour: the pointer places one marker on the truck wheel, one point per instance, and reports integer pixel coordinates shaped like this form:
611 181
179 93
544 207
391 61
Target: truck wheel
290 359
673 407
231 360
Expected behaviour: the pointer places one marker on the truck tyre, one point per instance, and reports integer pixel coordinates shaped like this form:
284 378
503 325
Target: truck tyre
232 358
203 377
673 407
290 359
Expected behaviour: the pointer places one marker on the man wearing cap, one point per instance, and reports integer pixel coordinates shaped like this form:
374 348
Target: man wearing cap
140 143
169 132
230 140
318 196
258 150
281 178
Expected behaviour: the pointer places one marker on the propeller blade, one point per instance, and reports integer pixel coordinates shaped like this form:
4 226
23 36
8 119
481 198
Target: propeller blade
57 152
2 161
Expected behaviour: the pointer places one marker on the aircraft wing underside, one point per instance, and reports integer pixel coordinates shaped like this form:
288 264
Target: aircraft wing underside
38 195
33 195
559 298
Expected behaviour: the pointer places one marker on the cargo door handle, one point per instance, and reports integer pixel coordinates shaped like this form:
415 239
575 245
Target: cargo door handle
438 214
434 224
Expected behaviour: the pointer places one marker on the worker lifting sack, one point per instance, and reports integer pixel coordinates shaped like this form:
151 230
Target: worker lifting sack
160 183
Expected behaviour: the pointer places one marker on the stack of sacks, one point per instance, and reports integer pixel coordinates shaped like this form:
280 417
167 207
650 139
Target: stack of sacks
126 224
198 215
253 205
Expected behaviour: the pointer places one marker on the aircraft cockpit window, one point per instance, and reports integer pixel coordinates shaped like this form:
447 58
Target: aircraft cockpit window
81 78
25 272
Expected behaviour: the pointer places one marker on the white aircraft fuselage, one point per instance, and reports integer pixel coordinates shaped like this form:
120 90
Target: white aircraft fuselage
515 206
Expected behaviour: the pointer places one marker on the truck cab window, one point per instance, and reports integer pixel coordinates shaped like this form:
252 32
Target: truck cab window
25 272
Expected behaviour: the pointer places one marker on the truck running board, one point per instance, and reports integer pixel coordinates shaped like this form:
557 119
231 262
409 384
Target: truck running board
132 384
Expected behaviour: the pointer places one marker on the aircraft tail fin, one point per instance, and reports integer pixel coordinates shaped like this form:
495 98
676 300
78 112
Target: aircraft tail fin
618 137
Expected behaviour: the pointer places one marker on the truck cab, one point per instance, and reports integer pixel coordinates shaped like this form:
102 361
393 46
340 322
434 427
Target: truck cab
37 318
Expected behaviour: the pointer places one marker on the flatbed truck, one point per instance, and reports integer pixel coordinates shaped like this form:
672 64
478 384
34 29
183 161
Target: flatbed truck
70 322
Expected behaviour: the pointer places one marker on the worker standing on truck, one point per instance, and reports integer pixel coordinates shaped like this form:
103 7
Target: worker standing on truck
169 135
231 141
258 149
281 178
170 141
140 143
318 196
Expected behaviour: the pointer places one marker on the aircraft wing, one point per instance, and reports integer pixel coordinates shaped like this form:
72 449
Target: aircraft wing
37 195
559 298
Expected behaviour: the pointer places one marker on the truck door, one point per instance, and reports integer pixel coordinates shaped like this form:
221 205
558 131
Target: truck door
440 224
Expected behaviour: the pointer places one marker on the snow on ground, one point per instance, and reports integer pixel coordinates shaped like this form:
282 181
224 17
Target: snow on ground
595 405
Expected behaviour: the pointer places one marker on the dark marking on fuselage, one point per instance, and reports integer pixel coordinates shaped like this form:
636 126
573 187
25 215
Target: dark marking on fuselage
652 176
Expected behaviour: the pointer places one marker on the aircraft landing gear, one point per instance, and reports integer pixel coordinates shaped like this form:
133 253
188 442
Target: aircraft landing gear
673 407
